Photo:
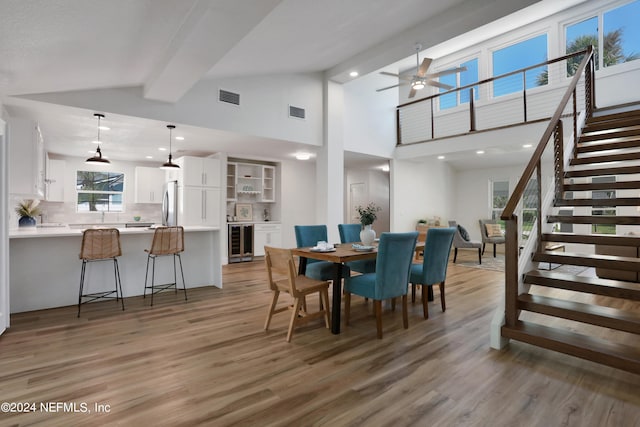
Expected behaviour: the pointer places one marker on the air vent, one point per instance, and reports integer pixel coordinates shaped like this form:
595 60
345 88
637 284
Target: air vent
228 97
296 112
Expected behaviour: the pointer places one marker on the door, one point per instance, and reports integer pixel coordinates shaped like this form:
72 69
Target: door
4 231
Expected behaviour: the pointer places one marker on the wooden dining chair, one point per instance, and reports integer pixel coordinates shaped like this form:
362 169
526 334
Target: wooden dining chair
433 269
282 275
389 281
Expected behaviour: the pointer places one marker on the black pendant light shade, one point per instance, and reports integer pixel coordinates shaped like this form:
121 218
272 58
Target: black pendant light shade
169 164
97 159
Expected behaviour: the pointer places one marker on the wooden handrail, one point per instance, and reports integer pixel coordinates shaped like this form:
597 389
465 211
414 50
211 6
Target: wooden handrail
510 208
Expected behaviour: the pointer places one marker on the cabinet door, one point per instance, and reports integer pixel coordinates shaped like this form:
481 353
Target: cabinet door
268 184
190 210
149 184
26 159
210 172
211 207
266 234
199 171
54 183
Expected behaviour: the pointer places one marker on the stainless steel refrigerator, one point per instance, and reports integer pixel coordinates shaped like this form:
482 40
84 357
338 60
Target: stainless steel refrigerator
170 204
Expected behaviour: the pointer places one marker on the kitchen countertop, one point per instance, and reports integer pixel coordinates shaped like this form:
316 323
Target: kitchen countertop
36 232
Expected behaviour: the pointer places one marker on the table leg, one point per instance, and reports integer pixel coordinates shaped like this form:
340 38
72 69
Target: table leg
302 266
337 298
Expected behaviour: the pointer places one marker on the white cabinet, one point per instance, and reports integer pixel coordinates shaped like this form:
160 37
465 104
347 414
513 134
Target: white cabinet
149 184
54 181
199 206
268 184
199 171
266 234
231 181
26 159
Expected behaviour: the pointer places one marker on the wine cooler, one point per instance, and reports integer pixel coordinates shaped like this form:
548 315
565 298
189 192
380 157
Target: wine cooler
240 242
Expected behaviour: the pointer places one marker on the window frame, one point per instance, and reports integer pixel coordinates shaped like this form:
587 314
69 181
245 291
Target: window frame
110 205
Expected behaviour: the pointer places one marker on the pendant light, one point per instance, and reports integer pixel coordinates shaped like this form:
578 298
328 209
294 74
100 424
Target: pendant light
169 164
97 158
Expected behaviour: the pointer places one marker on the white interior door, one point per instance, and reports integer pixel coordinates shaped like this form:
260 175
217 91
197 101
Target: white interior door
4 231
357 197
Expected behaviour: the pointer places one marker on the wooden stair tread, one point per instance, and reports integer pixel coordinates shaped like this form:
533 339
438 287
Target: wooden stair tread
607 317
622 201
619 185
612 117
589 260
593 239
619 170
591 348
608 124
618 144
594 219
609 135
605 158
585 284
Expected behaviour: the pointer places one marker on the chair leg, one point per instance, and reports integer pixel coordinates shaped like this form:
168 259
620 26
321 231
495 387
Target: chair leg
84 264
479 257
442 303
455 254
294 316
324 294
483 245
347 307
393 304
494 250
377 304
425 302
272 308
413 292
405 312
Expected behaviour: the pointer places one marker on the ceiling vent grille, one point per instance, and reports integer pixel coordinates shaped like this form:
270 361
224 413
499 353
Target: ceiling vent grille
297 112
228 97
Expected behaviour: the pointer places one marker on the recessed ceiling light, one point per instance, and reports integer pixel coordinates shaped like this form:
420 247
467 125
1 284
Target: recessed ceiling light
303 156
149 157
104 127
95 141
527 146
440 157
180 138
162 149
480 152
385 168
353 74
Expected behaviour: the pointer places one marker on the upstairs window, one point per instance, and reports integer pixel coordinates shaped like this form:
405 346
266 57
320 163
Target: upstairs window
458 80
99 191
520 55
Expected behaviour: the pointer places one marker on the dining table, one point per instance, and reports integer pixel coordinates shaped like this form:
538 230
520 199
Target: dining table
338 255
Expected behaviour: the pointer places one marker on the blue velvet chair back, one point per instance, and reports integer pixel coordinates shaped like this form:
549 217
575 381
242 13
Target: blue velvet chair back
349 232
436 255
310 235
395 254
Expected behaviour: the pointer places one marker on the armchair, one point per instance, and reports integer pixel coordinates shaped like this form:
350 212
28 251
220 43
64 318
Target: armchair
486 238
460 243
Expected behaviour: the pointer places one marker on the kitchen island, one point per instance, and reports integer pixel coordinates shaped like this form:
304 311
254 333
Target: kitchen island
44 264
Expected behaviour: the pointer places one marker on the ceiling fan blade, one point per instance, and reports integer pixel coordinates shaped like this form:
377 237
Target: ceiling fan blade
426 62
412 93
446 72
390 87
386 73
438 84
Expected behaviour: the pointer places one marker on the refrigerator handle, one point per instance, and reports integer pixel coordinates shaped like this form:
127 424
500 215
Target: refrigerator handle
165 208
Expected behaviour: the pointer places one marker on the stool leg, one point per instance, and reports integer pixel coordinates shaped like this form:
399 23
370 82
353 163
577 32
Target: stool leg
153 278
118 283
175 276
146 274
184 285
84 263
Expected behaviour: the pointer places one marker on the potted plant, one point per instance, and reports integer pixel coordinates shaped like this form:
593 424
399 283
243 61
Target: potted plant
27 210
368 215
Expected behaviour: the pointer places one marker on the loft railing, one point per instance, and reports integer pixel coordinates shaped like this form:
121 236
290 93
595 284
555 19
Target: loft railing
492 103
545 167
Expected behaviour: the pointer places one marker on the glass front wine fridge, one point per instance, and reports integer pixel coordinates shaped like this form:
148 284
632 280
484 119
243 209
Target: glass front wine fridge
240 242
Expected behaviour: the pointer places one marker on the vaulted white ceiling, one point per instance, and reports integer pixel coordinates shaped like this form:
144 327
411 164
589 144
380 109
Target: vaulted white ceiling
167 46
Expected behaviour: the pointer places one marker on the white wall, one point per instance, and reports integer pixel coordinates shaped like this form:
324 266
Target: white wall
377 190
263 110
420 190
298 197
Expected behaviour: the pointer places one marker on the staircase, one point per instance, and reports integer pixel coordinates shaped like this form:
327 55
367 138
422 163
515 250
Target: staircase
610 308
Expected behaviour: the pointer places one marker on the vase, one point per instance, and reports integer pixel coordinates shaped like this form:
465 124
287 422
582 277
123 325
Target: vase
27 221
367 235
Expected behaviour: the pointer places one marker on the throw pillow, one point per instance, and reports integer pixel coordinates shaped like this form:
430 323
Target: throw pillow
464 233
493 230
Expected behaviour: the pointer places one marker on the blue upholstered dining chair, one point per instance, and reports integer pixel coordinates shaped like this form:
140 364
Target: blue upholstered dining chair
434 265
350 233
310 235
391 278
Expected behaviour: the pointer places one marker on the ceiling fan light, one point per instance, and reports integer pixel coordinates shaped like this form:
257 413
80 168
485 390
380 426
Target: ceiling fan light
418 84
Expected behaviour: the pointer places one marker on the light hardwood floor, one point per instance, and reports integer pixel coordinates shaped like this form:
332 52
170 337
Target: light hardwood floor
209 362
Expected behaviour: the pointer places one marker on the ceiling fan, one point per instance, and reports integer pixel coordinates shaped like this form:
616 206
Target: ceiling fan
421 78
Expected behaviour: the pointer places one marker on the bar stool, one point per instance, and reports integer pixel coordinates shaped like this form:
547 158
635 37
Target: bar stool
100 245
166 241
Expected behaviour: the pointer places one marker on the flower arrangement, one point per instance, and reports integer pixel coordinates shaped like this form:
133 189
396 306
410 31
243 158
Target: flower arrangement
368 214
28 208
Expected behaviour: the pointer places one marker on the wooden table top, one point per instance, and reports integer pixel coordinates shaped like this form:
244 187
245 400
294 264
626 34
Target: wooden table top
343 253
